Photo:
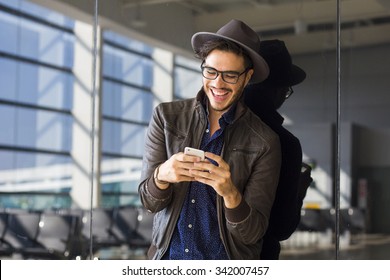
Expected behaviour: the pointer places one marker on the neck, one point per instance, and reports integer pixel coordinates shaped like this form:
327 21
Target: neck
214 117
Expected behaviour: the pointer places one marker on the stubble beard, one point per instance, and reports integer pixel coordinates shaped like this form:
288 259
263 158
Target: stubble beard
235 99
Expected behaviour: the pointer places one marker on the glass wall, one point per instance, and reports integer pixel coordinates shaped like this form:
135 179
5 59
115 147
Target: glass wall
187 80
340 120
127 103
36 57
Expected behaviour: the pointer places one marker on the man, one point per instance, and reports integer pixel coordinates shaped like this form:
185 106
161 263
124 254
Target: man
264 99
217 208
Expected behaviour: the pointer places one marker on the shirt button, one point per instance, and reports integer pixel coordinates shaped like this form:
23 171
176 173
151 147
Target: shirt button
192 200
207 130
189 226
186 250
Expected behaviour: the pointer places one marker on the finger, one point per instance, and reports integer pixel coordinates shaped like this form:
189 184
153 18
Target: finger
212 156
190 158
181 175
200 174
183 162
181 157
218 159
205 166
211 168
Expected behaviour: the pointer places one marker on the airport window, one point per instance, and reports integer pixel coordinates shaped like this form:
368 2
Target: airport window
187 77
36 57
127 104
57 155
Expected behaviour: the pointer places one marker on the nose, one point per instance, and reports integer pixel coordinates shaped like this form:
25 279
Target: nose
219 80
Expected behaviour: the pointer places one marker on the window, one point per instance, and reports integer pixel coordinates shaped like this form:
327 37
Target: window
188 77
36 56
127 104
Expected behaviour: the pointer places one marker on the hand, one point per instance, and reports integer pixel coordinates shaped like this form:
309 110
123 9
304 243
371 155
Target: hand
218 177
176 169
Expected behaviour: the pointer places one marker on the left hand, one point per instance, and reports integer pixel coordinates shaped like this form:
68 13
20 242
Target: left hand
218 177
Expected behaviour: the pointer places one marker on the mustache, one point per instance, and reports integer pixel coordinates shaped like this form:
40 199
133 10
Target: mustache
222 89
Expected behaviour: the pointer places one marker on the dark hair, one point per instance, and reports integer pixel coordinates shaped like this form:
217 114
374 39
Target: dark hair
223 45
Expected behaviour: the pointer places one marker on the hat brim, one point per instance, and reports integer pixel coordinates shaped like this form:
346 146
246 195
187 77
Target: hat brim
295 76
260 66
298 75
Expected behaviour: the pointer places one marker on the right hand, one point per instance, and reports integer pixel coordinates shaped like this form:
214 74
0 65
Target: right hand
177 168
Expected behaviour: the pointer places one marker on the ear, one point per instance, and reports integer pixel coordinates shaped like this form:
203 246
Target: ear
248 76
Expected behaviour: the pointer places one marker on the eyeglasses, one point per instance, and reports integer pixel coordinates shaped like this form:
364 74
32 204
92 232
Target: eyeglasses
230 77
288 92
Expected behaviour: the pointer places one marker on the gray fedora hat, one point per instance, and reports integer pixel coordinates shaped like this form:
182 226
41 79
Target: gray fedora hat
240 33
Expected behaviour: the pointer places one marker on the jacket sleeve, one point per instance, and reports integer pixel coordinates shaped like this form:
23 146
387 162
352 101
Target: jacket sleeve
153 198
249 221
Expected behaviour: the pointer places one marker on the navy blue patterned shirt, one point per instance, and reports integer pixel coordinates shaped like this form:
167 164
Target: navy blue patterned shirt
196 236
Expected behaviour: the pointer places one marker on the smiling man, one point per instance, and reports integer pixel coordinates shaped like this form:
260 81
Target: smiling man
217 208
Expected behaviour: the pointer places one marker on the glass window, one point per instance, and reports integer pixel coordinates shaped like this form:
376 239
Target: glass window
127 103
188 78
127 66
35 103
38 129
31 180
41 86
39 11
36 41
126 43
123 139
120 181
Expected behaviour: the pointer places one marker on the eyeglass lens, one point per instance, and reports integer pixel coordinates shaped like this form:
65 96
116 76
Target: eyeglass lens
230 77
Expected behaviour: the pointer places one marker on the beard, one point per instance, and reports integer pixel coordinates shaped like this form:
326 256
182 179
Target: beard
234 99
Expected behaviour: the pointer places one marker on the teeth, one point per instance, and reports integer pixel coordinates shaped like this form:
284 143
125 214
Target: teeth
219 93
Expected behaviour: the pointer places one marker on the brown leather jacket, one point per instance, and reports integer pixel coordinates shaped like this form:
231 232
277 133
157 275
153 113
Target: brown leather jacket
252 151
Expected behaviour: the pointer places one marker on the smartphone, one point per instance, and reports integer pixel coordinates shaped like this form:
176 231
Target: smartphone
194 152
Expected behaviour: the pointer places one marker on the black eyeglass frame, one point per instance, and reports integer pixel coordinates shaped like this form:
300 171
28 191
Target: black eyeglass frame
289 92
223 73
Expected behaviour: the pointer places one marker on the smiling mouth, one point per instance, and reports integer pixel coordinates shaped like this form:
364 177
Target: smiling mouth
220 93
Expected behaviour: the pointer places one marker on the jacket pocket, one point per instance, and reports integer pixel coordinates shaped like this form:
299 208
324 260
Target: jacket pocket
241 161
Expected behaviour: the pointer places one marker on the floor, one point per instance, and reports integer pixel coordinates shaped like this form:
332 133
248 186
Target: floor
298 247
307 247
362 247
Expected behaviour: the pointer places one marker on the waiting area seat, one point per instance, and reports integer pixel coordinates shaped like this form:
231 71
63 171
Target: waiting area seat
143 232
350 219
73 233
22 230
97 224
312 220
37 234
317 227
354 220
5 247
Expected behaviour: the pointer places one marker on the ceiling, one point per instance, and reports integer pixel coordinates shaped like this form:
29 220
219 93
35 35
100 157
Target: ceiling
305 25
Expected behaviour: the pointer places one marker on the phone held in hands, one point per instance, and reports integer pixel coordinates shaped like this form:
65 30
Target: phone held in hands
194 152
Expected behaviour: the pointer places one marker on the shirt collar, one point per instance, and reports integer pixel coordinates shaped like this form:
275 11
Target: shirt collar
227 117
